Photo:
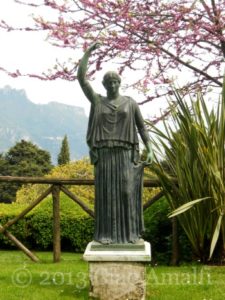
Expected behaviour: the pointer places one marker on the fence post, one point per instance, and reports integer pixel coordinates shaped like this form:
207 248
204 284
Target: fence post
56 223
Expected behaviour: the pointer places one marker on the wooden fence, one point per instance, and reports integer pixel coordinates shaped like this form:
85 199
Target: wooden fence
57 185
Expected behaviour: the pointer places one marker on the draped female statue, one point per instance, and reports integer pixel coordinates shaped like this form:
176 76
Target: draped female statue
114 150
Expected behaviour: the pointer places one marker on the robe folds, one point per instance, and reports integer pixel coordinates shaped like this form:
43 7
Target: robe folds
114 151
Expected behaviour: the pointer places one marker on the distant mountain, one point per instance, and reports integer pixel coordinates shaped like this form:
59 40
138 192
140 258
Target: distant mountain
43 124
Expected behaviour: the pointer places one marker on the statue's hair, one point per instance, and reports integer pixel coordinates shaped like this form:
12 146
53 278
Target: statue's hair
110 75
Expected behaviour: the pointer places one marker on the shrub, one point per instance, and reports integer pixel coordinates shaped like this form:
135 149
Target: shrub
158 231
35 229
76 225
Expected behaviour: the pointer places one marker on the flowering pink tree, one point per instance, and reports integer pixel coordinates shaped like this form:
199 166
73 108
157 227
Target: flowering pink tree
161 38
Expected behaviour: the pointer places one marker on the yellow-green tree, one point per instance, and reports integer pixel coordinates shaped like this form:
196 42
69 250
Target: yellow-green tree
80 169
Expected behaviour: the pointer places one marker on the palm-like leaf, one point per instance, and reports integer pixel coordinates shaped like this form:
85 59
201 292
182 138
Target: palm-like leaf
193 147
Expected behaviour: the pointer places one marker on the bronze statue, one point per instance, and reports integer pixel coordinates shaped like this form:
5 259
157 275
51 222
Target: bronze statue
114 151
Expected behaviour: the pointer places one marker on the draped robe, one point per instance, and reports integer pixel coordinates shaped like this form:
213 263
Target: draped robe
114 151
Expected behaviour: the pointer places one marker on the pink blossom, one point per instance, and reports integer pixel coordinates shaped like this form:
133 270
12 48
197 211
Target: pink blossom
156 36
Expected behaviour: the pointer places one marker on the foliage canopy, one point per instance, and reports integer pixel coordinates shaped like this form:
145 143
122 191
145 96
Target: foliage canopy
159 37
23 159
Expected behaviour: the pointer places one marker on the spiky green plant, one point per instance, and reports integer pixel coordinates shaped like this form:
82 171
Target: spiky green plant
193 148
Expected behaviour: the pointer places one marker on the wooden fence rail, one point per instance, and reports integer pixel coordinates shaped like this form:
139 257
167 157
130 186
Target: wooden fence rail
153 182
56 186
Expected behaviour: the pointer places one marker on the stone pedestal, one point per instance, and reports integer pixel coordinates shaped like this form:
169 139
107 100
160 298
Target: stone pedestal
117 272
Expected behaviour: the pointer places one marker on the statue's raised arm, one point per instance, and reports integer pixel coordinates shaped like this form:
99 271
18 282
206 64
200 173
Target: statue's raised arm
81 74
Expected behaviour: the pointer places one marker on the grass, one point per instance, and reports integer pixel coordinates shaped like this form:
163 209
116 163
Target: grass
24 280
194 282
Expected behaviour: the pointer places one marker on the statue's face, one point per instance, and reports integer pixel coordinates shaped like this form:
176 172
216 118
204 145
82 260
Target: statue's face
112 86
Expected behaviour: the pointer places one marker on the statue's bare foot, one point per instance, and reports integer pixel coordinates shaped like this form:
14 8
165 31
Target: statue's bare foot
137 241
105 241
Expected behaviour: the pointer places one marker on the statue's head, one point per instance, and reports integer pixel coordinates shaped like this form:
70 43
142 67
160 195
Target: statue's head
111 82
111 75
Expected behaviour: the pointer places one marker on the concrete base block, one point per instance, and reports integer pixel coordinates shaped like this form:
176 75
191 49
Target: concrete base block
125 252
117 272
117 280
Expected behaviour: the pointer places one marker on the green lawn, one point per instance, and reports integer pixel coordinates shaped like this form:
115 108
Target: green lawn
24 280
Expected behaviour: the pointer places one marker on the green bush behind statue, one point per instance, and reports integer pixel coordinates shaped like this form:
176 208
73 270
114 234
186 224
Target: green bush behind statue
35 229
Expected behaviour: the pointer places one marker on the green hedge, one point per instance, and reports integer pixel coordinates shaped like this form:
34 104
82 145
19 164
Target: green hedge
158 231
35 229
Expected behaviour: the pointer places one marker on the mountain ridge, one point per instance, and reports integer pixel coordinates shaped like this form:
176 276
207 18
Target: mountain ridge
43 124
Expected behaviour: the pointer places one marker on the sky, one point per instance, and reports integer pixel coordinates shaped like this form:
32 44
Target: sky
29 52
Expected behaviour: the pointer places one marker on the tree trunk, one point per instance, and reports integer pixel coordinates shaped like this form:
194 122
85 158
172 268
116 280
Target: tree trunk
175 243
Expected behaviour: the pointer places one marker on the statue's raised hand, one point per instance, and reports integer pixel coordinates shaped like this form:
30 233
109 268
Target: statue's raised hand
94 46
